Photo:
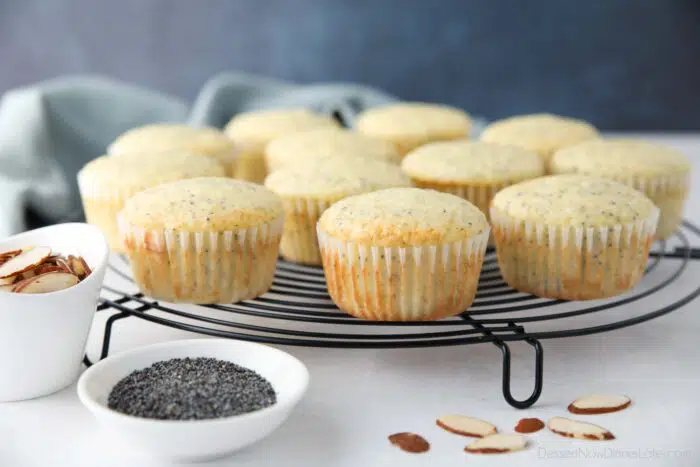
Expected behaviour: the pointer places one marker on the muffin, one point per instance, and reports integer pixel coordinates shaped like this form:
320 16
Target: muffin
253 131
172 137
542 133
310 189
475 171
307 146
661 173
403 254
412 124
203 240
573 237
106 183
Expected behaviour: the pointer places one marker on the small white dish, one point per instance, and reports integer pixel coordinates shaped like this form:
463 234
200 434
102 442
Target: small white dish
43 336
195 440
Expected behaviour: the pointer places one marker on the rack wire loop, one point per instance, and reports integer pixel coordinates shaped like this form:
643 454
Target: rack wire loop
539 374
298 311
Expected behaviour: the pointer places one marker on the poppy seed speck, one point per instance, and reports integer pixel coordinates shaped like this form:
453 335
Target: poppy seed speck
191 389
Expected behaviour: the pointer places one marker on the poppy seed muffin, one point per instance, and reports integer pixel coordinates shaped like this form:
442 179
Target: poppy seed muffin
172 137
308 190
661 173
253 131
106 183
572 237
408 125
472 170
203 240
542 133
307 146
403 254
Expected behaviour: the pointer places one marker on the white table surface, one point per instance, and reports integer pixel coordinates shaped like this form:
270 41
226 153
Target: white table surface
358 397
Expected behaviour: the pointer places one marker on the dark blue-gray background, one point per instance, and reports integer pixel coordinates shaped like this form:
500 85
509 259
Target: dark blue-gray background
623 64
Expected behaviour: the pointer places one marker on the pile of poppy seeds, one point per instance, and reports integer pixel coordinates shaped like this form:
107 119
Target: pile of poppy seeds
191 389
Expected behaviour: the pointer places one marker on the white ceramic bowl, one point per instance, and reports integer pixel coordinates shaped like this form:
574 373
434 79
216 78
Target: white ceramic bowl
195 440
43 336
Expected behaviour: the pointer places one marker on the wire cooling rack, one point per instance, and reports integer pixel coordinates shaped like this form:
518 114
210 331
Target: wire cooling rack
298 311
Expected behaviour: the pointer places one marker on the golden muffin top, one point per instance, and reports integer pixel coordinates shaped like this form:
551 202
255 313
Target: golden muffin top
620 159
206 204
411 124
573 200
472 162
256 129
541 133
336 177
305 146
403 217
122 176
169 137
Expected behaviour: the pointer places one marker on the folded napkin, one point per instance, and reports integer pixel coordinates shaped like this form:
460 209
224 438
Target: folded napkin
50 130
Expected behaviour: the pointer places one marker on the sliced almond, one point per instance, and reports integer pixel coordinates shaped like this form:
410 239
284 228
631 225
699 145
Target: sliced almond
79 266
63 264
17 286
46 283
598 404
465 426
46 268
86 267
26 275
410 442
529 425
25 261
7 281
577 429
8 255
497 444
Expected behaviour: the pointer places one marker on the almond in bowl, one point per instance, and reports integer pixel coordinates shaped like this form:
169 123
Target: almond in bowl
48 300
35 270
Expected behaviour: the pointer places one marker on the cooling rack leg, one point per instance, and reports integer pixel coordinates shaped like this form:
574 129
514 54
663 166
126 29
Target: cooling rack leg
506 375
106 337
108 332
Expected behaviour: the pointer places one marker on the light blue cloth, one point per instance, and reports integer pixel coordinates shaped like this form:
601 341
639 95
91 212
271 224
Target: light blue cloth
50 130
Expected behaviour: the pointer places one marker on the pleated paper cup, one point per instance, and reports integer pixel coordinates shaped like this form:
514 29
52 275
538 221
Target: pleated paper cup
203 267
299 240
101 207
668 193
572 263
418 283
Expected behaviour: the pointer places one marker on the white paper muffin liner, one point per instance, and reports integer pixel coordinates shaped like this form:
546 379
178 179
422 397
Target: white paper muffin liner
299 240
203 267
573 263
668 192
101 206
417 283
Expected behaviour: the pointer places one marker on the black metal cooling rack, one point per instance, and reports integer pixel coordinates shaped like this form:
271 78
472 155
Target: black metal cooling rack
298 311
